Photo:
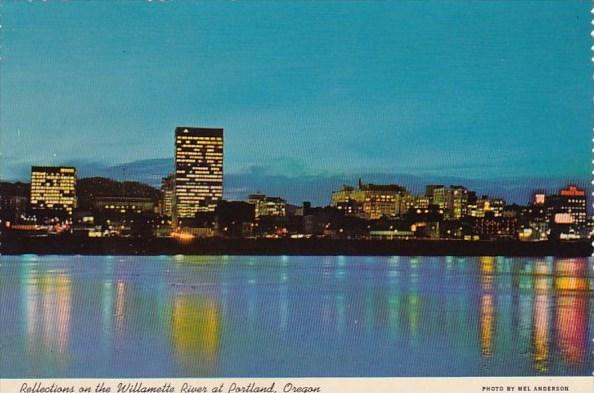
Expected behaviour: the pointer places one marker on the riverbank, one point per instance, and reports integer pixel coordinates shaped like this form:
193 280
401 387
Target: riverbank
219 246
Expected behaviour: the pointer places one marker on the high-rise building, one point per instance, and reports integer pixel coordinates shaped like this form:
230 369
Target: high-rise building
453 200
53 189
457 202
167 192
437 195
198 173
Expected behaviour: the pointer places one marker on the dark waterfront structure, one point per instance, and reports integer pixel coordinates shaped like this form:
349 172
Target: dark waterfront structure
235 218
14 201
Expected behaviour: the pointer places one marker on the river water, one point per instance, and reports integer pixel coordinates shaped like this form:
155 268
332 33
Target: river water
278 316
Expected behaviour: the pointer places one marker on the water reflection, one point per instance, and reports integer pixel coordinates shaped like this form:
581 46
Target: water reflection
208 316
571 283
487 305
47 317
195 334
541 319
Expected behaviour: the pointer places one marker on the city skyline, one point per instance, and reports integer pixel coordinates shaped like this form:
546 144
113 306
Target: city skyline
56 185
376 105
318 189
197 209
190 203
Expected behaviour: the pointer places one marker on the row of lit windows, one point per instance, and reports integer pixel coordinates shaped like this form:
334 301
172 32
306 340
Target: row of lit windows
206 138
198 152
51 174
49 181
43 198
194 191
203 168
52 183
204 175
198 193
197 172
200 187
50 177
36 175
580 201
56 191
52 196
52 188
189 144
191 165
194 197
205 178
199 159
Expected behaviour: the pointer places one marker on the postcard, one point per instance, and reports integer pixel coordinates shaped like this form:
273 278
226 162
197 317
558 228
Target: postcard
296 196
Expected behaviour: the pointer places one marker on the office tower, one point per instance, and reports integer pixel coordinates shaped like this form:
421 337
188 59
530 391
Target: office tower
53 189
457 202
437 195
167 192
452 200
198 173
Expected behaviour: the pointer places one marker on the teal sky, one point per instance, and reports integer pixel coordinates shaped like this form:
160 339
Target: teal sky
477 89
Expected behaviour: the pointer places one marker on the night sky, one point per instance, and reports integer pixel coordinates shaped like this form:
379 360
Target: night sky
491 92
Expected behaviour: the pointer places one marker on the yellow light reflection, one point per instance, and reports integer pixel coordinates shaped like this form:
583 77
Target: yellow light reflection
571 320
487 318
196 333
541 324
487 324
571 275
48 312
120 307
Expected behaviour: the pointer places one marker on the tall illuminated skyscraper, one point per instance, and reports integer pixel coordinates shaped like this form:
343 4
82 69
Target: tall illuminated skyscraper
53 188
198 173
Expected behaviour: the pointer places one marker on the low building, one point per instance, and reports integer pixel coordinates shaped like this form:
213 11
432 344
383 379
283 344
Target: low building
266 206
391 234
491 228
373 201
12 207
123 205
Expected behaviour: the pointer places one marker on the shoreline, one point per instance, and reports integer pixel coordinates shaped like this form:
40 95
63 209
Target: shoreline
223 246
